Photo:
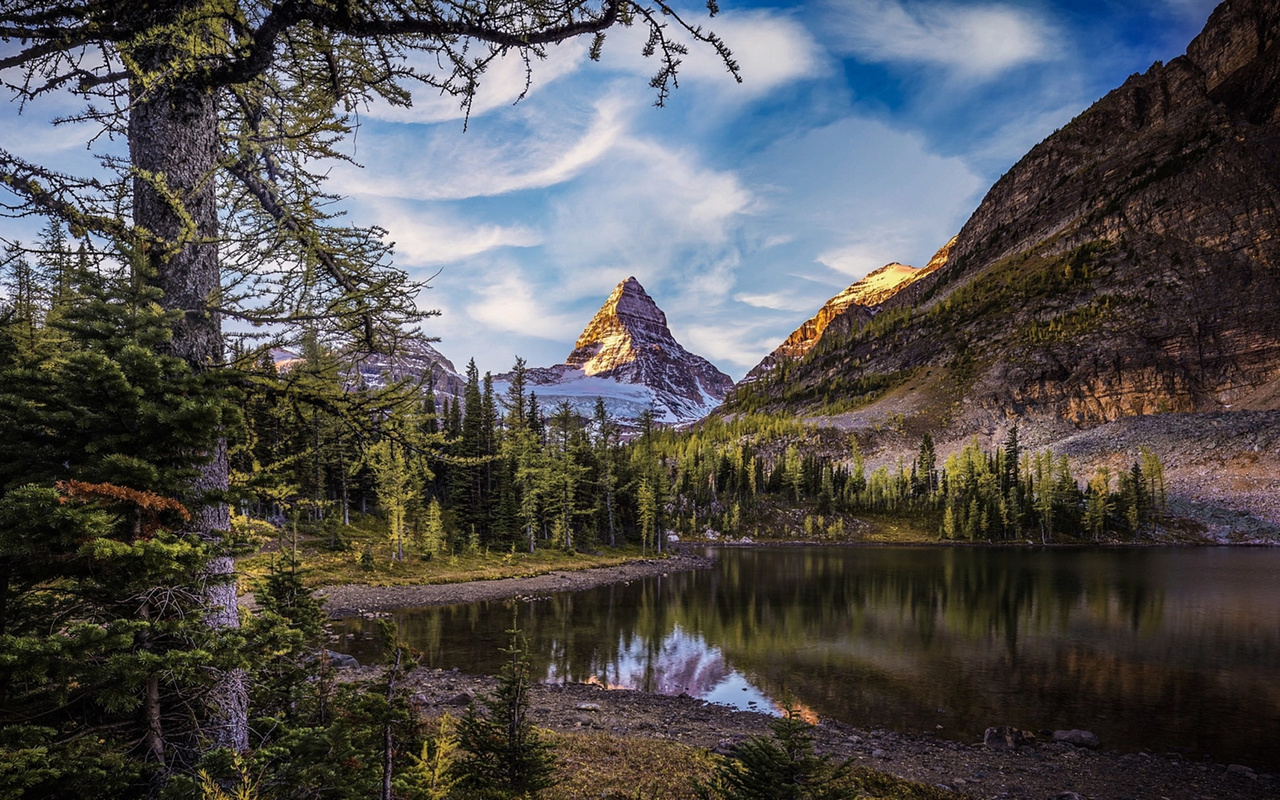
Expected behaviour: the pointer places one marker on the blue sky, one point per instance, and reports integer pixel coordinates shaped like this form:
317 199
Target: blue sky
864 132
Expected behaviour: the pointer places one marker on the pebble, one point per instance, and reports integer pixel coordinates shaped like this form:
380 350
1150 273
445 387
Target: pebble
878 753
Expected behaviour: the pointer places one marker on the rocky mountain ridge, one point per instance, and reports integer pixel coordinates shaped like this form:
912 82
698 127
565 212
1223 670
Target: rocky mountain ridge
849 310
415 359
1129 264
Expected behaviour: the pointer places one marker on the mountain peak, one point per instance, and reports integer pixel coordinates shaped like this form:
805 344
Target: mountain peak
627 356
628 319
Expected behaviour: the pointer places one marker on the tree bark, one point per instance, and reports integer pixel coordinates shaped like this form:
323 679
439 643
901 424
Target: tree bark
173 144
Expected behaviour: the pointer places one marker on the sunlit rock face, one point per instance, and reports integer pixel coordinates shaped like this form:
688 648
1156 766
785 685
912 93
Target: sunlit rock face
627 356
851 309
1128 264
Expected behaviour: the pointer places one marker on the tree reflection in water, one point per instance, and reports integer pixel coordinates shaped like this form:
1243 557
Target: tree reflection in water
1148 648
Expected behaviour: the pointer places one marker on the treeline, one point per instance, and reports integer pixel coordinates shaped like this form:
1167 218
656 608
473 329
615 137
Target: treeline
486 470
729 480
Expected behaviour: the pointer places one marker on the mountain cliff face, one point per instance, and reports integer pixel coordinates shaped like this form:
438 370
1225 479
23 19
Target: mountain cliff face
416 360
1129 264
627 356
849 310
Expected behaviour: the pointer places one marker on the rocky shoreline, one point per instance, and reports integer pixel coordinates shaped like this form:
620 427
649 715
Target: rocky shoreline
1040 769
352 600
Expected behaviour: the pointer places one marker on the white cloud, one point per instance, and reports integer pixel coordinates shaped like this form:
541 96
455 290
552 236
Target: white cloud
859 258
435 164
512 304
424 237
975 42
775 301
734 346
650 210
771 48
502 84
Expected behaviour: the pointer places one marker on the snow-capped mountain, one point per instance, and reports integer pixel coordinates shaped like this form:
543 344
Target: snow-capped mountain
850 309
415 359
627 356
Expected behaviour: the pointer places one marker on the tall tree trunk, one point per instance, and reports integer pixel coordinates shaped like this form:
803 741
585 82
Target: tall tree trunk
173 130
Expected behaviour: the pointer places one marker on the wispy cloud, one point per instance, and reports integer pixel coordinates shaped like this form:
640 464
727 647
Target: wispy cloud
510 303
772 48
427 237
974 42
648 210
533 152
775 301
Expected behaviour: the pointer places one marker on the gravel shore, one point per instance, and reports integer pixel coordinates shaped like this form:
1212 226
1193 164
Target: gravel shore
353 599
1044 770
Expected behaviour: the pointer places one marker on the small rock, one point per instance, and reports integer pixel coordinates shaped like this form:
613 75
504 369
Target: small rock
1077 738
460 699
341 660
588 706
1006 737
724 747
1241 770
878 753
959 783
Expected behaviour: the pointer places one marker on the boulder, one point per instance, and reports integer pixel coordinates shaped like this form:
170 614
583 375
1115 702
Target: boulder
1077 738
340 660
460 699
1007 737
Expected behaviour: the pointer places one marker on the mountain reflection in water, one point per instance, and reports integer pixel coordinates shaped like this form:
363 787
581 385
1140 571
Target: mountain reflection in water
1172 650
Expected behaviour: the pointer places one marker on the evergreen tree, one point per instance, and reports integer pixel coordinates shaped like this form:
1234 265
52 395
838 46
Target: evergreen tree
504 756
782 766
106 663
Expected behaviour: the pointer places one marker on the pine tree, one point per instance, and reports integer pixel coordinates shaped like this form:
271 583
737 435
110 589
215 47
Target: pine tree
504 756
101 628
782 766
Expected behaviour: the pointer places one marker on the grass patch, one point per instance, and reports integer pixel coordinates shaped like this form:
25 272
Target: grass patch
905 529
323 566
605 767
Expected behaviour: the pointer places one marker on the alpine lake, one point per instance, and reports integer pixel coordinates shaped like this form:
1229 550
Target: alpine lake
1158 649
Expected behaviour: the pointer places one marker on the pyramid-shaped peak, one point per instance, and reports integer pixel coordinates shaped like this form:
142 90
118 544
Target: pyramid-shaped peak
630 299
629 310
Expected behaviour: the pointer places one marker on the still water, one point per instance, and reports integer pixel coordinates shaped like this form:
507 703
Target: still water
1161 649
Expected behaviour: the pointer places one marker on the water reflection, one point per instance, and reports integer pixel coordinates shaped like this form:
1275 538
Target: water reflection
1148 648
